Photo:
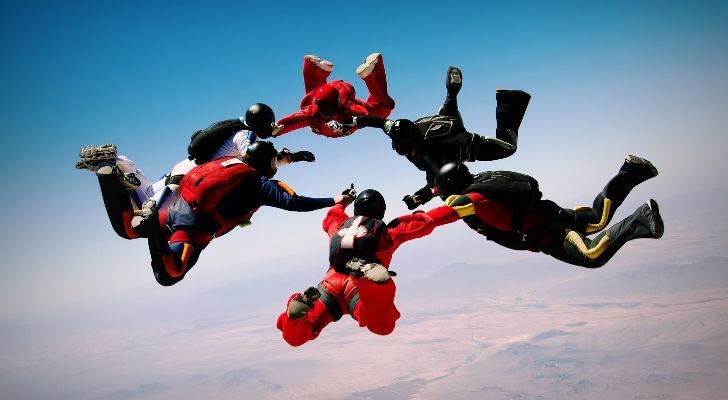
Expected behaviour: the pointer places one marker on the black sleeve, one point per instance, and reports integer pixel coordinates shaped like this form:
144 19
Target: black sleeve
370 121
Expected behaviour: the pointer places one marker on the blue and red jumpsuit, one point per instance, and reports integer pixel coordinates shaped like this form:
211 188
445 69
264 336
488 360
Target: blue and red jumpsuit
371 304
186 232
377 104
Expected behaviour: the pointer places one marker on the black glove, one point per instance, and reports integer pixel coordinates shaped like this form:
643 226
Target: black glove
351 192
303 156
411 202
420 197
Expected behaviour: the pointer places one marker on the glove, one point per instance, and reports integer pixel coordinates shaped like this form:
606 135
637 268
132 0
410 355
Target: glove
303 156
411 202
276 128
420 197
350 192
424 195
286 154
335 126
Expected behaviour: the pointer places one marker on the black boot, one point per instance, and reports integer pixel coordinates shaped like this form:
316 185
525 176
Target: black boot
634 171
509 111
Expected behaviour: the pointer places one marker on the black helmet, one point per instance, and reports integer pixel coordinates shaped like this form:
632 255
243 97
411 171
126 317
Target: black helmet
405 136
261 155
452 178
260 119
370 204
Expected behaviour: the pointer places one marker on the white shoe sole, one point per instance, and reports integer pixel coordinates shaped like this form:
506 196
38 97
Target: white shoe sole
366 69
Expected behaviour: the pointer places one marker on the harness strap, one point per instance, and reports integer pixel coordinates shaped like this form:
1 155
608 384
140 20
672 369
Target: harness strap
352 304
330 302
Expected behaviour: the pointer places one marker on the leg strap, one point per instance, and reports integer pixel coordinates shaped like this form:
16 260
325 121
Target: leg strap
330 302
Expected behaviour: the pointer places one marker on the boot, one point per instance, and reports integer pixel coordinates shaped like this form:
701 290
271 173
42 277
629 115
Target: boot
510 108
145 217
376 273
634 171
453 81
103 152
300 304
370 63
325 65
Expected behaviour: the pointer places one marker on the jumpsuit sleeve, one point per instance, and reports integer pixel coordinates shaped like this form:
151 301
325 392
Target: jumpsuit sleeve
277 194
334 218
419 224
297 120
370 121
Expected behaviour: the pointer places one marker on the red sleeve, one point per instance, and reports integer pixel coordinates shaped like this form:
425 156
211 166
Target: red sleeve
410 227
334 218
297 120
443 215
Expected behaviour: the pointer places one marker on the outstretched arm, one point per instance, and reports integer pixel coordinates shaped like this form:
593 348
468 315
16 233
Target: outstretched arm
371 121
279 195
419 224
297 120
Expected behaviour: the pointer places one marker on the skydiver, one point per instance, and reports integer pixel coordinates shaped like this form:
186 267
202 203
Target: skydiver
358 281
221 139
216 197
328 108
507 208
433 141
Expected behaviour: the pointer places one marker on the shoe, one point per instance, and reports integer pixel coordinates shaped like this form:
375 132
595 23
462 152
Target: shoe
453 81
639 167
95 165
376 273
651 212
510 108
300 304
144 216
325 65
366 69
130 182
103 152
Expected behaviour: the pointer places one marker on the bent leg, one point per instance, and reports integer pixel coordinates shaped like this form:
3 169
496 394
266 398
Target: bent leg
145 190
375 308
172 260
118 205
372 72
634 171
453 84
315 72
297 331
577 249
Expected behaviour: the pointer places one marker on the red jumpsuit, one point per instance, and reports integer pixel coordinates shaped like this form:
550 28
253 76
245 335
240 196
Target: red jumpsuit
369 303
378 104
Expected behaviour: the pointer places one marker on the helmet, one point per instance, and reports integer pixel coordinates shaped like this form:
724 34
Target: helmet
261 155
260 119
405 136
370 204
326 98
452 178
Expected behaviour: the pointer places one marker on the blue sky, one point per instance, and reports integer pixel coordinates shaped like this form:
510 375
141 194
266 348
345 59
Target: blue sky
607 79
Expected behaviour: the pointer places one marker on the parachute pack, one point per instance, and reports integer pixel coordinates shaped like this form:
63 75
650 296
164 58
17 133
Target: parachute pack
205 185
205 142
357 237
518 189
